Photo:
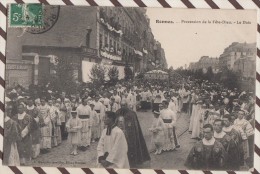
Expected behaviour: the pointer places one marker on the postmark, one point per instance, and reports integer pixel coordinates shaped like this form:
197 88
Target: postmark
25 15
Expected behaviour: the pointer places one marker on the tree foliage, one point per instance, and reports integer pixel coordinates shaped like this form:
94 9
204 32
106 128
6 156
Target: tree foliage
113 75
128 72
97 75
64 76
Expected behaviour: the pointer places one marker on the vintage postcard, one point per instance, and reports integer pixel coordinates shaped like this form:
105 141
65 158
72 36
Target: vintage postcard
126 87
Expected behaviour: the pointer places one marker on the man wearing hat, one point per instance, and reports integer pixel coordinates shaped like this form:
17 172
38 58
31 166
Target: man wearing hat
112 147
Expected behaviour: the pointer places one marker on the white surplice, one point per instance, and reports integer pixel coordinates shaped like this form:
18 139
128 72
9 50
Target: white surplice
116 146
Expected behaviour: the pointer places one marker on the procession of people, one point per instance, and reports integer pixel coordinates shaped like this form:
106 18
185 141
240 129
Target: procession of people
221 120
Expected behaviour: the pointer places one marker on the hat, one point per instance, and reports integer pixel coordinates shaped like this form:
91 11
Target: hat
20 97
13 91
199 102
66 100
156 112
91 103
7 99
211 106
73 112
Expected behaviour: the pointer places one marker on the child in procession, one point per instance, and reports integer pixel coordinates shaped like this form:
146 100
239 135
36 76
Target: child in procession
73 126
157 132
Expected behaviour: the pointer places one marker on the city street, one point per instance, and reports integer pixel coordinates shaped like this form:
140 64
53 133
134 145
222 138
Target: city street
59 156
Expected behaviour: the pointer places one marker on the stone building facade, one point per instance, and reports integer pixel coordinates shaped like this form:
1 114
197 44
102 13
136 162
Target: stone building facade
204 63
234 52
106 35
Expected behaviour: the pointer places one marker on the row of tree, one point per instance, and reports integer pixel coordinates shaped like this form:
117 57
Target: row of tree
98 75
226 77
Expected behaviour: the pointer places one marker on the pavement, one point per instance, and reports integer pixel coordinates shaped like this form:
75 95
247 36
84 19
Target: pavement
60 156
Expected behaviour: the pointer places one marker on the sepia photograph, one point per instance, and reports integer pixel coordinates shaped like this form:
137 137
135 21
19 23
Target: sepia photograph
130 87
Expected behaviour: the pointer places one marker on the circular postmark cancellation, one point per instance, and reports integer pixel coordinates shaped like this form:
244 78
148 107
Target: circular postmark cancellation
50 17
25 15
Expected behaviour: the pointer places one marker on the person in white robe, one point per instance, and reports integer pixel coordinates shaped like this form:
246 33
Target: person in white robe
113 105
95 123
169 118
53 115
46 130
83 112
102 115
117 98
98 107
112 147
197 121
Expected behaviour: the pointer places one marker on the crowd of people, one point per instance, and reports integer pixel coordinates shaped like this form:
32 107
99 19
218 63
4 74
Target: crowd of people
221 119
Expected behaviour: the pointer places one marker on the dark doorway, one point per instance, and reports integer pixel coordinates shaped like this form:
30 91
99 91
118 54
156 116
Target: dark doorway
44 70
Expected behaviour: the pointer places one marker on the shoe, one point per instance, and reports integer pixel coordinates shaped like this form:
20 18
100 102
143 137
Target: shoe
71 153
156 152
178 146
251 169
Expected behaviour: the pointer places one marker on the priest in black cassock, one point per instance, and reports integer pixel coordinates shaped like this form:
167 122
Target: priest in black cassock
137 149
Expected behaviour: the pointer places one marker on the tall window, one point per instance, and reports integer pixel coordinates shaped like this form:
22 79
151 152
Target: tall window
115 46
100 41
106 41
110 43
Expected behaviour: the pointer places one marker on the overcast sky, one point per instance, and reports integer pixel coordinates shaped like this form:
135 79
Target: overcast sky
185 42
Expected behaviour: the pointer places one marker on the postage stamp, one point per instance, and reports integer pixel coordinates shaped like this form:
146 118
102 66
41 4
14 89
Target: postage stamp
25 15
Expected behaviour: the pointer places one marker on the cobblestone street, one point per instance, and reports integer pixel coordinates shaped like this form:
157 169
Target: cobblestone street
59 156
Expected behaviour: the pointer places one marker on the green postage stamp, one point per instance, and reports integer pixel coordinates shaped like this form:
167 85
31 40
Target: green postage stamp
25 15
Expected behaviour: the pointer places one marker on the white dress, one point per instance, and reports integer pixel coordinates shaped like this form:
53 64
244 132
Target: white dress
86 125
169 118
